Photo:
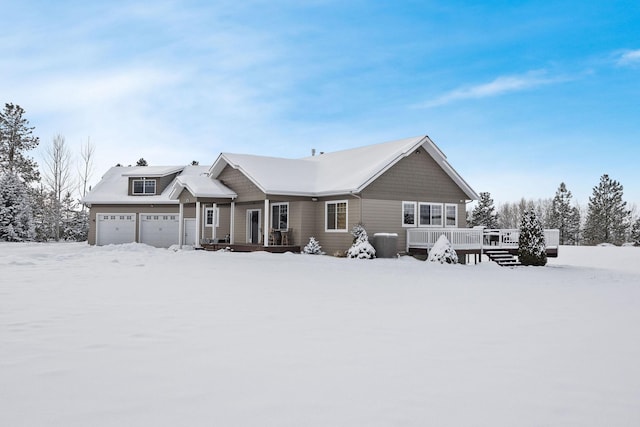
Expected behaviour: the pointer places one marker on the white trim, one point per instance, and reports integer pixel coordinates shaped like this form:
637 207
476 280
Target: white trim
248 224
271 215
415 213
265 229
232 223
431 224
455 223
326 212
144 186
216 217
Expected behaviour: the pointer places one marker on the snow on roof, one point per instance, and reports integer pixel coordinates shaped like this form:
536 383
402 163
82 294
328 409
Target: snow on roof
196 179
341 172
152 171
113 188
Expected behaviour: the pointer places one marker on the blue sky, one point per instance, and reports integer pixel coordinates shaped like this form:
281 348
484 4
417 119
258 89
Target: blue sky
519 95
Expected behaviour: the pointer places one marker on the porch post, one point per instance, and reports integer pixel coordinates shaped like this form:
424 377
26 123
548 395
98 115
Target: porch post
181 225
215 221
266 223
198 222
232 224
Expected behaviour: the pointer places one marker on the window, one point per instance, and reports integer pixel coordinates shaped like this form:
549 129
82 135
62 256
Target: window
451 215
211 217
336 218
144 186
430 215
408 214
280 216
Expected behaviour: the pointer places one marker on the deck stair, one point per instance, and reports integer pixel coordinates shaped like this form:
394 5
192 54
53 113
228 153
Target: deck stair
502 257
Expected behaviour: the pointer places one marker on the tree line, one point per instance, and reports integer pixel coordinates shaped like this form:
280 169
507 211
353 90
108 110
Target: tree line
42 204
607 218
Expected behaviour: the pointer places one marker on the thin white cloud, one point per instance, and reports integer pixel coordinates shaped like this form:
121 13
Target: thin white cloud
499 86
630 57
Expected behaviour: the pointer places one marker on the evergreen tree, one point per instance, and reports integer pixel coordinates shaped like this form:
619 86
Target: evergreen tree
15 210
361 247
16 138
485 213
635 232
442 252
531 244
607 215
142 162
313 247
564 216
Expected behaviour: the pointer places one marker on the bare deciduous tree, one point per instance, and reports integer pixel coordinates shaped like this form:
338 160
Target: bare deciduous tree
58 177
86 167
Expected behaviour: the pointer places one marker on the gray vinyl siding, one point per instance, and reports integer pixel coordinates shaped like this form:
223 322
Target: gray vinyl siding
241 220
417 177
245 189
333 242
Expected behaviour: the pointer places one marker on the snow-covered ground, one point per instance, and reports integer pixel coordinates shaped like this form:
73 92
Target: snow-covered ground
136 336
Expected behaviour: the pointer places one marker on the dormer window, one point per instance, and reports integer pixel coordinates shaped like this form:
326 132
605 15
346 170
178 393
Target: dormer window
145 187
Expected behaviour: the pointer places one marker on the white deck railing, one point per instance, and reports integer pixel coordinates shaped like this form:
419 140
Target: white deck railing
473 238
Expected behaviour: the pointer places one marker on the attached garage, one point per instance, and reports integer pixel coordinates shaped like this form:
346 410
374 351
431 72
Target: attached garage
115 228
159 230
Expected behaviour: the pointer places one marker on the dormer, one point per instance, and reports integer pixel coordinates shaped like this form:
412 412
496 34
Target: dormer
150 180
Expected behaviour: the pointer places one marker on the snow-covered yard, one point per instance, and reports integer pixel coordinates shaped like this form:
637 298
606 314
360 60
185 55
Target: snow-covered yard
136 336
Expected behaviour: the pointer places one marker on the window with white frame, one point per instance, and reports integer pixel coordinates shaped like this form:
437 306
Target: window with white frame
211 217
408 214
144 186
430 215
450 215
336 215
280 216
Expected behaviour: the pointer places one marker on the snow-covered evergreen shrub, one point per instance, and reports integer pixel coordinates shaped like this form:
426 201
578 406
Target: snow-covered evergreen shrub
16 223
531 245
443 252
361 247
313 247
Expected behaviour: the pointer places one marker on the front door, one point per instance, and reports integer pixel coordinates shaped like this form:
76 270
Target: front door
253 226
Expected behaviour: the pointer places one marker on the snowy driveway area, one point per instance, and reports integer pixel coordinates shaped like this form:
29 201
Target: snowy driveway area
136 336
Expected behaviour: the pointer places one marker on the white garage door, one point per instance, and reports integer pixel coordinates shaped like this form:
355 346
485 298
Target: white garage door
159 230
115 228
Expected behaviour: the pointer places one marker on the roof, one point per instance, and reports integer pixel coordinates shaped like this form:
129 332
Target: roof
198 182
332 173
151 171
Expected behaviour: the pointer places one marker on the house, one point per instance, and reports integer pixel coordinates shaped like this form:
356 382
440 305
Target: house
266 201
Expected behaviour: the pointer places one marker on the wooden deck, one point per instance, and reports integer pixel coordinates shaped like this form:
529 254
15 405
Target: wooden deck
276 249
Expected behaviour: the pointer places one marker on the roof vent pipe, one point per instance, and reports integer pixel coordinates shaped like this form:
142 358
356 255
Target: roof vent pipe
313 152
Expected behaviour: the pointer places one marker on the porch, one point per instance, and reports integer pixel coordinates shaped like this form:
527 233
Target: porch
250 247
476 241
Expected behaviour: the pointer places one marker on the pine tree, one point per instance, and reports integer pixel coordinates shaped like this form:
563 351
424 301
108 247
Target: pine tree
442 252
564 216
607 215
313 247
635 232
485 213
531 245
361 247
142 162
16 138
15 210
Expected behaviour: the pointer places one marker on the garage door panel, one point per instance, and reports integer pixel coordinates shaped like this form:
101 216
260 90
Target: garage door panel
159 230
115 228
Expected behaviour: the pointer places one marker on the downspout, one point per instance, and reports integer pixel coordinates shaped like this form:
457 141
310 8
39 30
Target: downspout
359 198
